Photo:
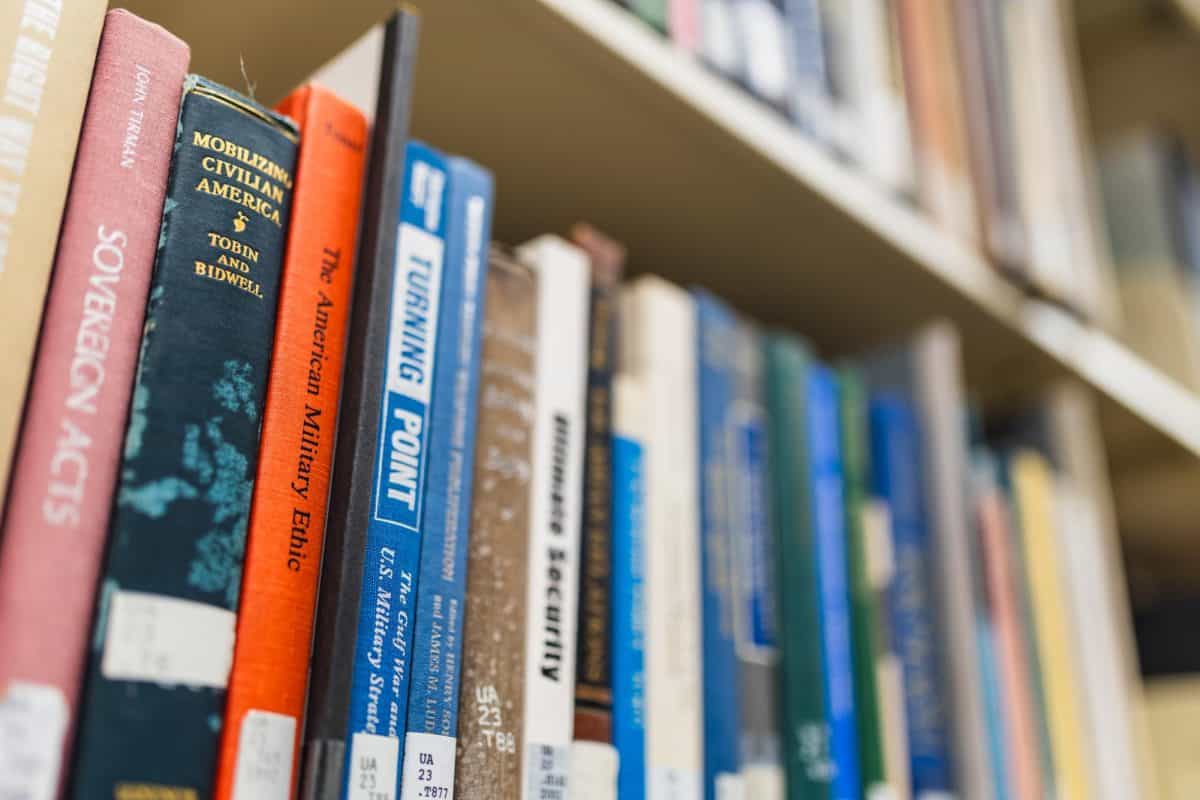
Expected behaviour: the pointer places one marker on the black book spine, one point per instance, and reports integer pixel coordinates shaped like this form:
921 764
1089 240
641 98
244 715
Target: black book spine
164 630
358 427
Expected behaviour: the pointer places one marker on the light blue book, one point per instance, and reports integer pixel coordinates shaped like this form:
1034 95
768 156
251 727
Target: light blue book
429 747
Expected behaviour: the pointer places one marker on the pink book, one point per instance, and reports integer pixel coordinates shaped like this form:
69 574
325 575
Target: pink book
683 23
65 469
1019 724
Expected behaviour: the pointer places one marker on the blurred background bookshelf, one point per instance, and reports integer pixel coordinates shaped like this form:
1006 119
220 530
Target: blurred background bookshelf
707 184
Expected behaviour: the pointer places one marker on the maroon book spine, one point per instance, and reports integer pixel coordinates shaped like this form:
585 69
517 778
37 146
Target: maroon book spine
65 470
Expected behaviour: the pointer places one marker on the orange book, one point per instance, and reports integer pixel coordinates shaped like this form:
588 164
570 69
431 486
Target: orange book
269 679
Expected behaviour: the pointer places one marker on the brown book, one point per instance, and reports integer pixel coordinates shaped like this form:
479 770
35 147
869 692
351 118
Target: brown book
491 693
47 50
593 678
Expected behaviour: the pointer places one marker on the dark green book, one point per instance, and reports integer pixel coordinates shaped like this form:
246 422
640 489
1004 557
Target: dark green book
653 12
163 643
864 611
806 752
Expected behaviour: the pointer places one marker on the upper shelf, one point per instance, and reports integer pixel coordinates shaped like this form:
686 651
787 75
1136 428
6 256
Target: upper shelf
583 112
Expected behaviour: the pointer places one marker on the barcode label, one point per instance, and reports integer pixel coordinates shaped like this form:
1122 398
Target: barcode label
668 783
730 787
428 767
33 722
373 765
264 757
159 639
546 772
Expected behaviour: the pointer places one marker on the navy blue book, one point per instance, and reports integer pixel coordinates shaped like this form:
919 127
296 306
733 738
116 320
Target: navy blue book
164 631
716 346
628 573
383 660
429 747
829 528
896 460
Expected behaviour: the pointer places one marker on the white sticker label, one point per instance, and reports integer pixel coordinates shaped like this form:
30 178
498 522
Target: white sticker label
546 771
33 723
428 767
668 783
166 640
264 757
593 771
373 765
763 781
730 787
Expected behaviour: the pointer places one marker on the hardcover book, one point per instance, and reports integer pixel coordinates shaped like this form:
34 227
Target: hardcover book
268 684
592 755
383 661
555 514
47 50
806 736
925 373
658 346
429 747
54 531
629 573
720 540
764 41
756 619
377 71
719 43
865 612
164 629
654 12
492 689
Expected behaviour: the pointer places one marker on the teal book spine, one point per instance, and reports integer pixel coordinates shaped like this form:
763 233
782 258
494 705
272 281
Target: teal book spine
806 747
163 639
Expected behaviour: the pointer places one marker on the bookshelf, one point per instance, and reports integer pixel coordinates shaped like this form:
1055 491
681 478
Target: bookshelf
584 113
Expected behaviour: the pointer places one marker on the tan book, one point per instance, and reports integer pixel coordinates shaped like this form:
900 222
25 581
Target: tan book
492 694
1173 707
47 50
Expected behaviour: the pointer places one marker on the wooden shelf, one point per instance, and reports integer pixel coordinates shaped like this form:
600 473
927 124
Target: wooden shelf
584 113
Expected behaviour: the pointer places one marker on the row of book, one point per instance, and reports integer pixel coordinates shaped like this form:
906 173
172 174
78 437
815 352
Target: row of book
315 492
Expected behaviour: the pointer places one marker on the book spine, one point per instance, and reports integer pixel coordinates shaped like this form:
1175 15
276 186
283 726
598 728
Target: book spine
718 38
829 523
164 629
593 678
433 698
683 24
629 572
284 543
383 650
715 355
492 688
593 758
393 44
46 53
1033 484
555 515
864 611
895 448
70 445
1012 661
805 727
756 616
654 12
659 347
806 53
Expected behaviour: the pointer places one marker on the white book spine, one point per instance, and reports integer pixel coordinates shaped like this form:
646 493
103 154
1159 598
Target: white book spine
658 343
554 513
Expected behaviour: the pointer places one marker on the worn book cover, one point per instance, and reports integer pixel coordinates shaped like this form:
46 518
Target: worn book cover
377 71
269 680
164 630
492 687
54 531
428 758
47 50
